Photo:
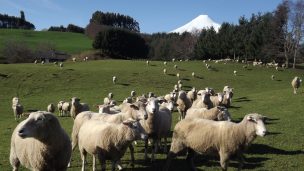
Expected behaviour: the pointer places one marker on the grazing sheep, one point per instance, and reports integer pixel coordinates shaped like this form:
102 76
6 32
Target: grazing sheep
157 125
165 63
74 59
165 71
175 66
173 59
193 74
42 62
77 107
217 113
147 62
296 83
108 141
107 100
36 61
51 108
133 93
235 72
192 95
61 65
179 82
85 58
135 111
272 77
66 108
277 68
217 100
207 136
177 75
203 100
17 108
40 143
183 104
114 79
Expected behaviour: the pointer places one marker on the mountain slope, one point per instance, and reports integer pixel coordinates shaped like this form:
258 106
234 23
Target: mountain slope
197 24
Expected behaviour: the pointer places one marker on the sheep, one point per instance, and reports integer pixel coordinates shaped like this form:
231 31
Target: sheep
207 136
107 100
42 62
128 100
193 74
272 77
203 100
227 88
179 82
165 63
277 68
114 79
147 62
85 59
175 66
51 108
36 61
151 94
74 59
296 83
192 95
17 108
173 59
217 100
217 113
157 125
183 104
40 143
170 97
77 107
66 108
133 93
61 65
228 94
235 72
210 90
135 111
165 71
107 108
108 140
59 106
177 75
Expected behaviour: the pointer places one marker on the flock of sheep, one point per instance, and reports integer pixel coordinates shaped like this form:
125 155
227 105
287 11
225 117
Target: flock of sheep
40 143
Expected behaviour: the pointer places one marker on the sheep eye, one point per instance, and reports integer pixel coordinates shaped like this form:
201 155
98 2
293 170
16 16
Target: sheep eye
39 119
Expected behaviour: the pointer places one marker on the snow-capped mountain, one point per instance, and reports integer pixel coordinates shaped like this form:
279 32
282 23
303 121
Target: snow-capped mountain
197 24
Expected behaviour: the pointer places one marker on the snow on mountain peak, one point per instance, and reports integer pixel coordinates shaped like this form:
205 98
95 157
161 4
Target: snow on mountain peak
197 24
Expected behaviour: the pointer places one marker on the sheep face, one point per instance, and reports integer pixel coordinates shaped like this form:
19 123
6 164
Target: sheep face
258 121
152 105
140 132
170 105
35 125
225 115
75 101
140 112
110 95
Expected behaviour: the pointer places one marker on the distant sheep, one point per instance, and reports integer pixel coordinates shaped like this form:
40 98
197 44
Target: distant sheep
77 107
133 93
147 62
296 83
61 65
272 77
51 108
193 74
74 59
175 66
165 63
235 72
59 107
224 138
114 79
40 143
66 108
177 75
17 108
165 71
107 100
36 61
192 95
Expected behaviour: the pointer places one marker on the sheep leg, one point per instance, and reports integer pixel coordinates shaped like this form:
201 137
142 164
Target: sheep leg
224 160
14 160
146 148
83 155
154 148
240 159
170 156
118 164
165 145
132 154
94 163
190 157
102 161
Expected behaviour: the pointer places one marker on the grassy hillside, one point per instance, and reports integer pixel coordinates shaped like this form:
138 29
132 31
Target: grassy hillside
39 85
67 42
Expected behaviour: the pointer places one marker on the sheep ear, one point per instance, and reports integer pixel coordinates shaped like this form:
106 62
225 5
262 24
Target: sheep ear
250 118
127 123
134 106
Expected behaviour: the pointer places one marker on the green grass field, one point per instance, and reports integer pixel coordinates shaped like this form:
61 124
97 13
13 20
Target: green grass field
254 91
61 40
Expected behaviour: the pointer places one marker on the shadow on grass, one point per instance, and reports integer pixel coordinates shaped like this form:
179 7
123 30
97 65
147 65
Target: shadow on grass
265 149
153 65
181 69
199 77
3 75
123 84
242 99
278 80
234 107
186 79
172 74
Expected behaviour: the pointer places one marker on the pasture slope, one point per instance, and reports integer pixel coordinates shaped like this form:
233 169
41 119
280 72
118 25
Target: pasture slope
61 40
38 85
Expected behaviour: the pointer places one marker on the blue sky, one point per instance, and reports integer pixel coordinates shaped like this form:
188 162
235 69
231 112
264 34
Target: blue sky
153 16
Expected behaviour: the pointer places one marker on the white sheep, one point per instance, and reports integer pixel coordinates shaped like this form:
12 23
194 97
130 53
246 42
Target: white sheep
107 100
74 59
17 108
36 61
61 65
173 59
66 108
296 83
217 113
107 108
135 111
177 75
207 136
108 140
157 125
59 107
175 66
272 77
165 71
51 108
147 62
42 62
193 74
217 100
165 63
183 104
192 95
77 107
40 143
133 93
114 79
203 100
235 72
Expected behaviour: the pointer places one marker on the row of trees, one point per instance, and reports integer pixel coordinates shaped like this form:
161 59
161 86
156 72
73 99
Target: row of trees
7 21
70 28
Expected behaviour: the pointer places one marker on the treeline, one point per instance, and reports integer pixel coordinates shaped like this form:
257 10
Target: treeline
70 28
13 22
